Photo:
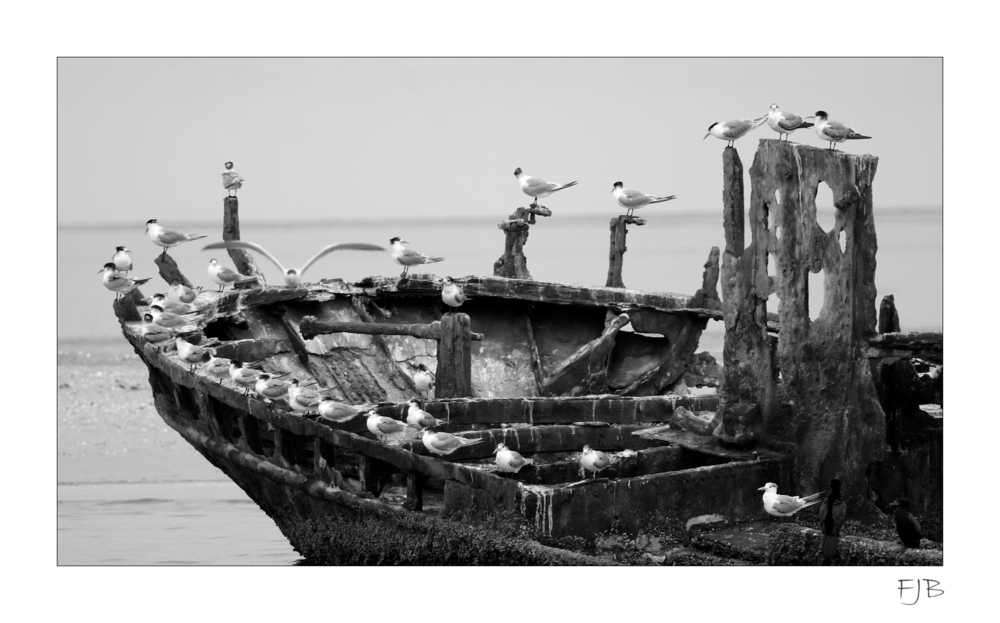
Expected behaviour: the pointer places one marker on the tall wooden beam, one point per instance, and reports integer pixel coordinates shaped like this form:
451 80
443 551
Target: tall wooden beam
454 357
618 248
513 264
231 231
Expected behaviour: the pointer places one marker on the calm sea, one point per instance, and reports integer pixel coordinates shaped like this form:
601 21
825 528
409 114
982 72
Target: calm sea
109 516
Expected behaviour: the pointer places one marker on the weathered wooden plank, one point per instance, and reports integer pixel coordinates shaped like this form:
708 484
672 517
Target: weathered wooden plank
586 370
705 444
231 231
929 345
311 327
252 349
642 463
169 270
453 378
616 254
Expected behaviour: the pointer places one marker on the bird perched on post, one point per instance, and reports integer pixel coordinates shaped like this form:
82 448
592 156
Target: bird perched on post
593 460
633 199
730 131
225 276
446 443
784 123
119 283
167 238
382 426
408 257
181 293
418 417
906 524
536 187
833 131
786 505
423 380
832 514
122 260
452 294
293 276
509 460
333 411
231 180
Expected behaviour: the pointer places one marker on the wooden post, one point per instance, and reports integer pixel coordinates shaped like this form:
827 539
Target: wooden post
373 473
615 260
732 201
414 491
169 271
512 263
454 357
888 317
709 290
231 231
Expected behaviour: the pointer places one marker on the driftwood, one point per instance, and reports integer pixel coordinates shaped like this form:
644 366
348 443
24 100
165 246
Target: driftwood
231 231
311 327
618 248
512 264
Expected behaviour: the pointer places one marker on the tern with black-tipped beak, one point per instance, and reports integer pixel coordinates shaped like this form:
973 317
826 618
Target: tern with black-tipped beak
154 333
834 132
786 505
510 461
333 411
293 276
784 123
231 180
117 282
408 257
633 199
446 443
225 276
594 460
122 260
168 238
730 131
452 294
418 417
536 187
382 426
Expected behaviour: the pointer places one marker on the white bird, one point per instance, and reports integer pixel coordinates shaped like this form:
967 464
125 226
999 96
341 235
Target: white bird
330 409
225 276
418 417
293 276
193 353
154 333
408 257
181 293
271 387
536 187
168 238
231 180
243 375
302 399
122 260
833 131
167 319
452 294
509 460
594 460
784 123
117 282
423 380
218 367
446 443
172 306
633 199
732 130
382 426
786 505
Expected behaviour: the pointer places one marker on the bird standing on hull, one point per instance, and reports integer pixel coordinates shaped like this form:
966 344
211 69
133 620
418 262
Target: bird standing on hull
122 260
303 400
423 380
510 461
293 276
218 367
338 412
834 132
452 294
784 123
633 199
181 293
193 353
730 131
419 418
225 276
271 387
154 333
117 282
231 180
408 257
167 238
536 187
243 376
170 320
786 505
446 443
382 426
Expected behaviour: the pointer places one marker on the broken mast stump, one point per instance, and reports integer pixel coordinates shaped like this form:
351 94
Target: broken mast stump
243 260
169 270
454 357
888 317
618 248
512 264
709 290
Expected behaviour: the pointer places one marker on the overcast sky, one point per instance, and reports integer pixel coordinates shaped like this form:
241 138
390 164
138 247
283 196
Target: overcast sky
371 138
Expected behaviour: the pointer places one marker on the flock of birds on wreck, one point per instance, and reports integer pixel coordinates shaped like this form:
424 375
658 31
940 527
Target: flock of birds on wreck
169 312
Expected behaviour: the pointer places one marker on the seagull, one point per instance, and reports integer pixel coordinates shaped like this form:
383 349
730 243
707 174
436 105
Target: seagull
193 353
833 131
594 460
181 293
330 409
301 399
225 276
117 282
271 387
218 367
122 259
423 380
537 187
293 276
382 426
408 257
167 319
906 525
242 375
445 443
784 123
168 238
832 514
509 460
732 130
154 333
231 180
452 294
419 418
174 307
786 505
633 199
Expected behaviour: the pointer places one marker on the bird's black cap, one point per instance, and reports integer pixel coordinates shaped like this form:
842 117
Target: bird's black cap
156 307
110 265
517 171
152 220
618 185
821 113
394 240
119 248
712 126
147 317
229 165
